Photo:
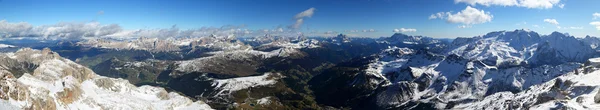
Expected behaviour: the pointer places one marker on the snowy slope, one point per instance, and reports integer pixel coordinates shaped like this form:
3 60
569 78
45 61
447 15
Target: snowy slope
576 90
249 57
473 68
308 43
227 86
58 83
518 47
410 75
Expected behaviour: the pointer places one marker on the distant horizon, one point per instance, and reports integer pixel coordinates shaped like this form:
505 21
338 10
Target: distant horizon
330 35
367 18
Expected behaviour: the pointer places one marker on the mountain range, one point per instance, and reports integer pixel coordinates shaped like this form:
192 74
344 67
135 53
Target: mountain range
518 69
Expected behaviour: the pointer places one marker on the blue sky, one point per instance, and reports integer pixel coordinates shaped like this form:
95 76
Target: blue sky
343 16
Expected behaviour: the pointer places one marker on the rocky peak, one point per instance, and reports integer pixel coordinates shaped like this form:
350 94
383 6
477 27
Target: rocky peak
399 36
340 38
398 52
518 38
58 83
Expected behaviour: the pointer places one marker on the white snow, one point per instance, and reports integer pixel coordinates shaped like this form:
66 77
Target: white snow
6 46
200 64
55 76
235 84
308 43
264 101
5 105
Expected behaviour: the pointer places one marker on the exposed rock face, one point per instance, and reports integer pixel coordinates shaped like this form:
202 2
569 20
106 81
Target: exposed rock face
339 39
151 44
168 45
597 97
58 83
415 77
236 63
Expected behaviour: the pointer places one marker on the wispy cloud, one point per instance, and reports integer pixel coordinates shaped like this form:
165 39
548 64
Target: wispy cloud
369 30
14 29
364 30
521 23
596 24
596 15
62 30
464 26
561 6
351 31
300 17
539 4
571 27
468 16
403 30
551 21
77 30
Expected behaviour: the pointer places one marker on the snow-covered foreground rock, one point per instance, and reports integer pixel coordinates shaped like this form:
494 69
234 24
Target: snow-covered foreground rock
450 79
408 78
579 89
34 79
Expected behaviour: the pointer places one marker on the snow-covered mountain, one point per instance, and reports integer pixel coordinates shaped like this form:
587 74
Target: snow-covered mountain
400 71
576 89
593 42
169 44
471 70
519 47
339 39
239 63
41 79
400 76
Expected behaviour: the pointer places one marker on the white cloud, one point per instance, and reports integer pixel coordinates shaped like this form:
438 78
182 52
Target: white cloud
14 29
468 16
551 21
76 30
61 30
559 27
489 2
352 31
306 13
596 24
405 30
464 26
369 30
539 4
364 30
596 15
440 15
536 26
561 6
330 32
100 12
300 17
